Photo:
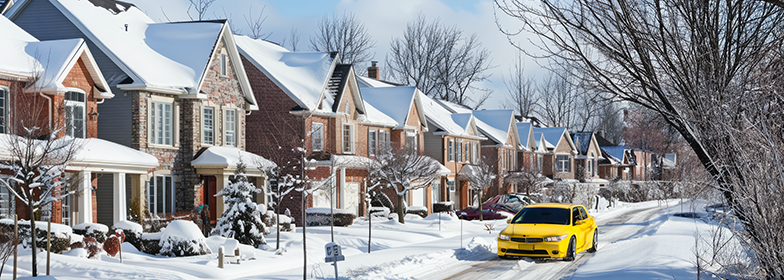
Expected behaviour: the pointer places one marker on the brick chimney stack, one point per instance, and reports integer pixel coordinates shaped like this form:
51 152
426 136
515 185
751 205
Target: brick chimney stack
373 70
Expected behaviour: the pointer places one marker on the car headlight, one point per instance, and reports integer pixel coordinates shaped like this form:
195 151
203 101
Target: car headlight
504 237
555 238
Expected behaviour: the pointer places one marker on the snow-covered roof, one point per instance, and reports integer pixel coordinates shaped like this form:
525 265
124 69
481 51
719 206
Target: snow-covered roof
162 57
583 141
366 82
453 107
524 131
617 152
542 142
98 152
496 124
375 117
395 102
302 75
229 157
554 135
452 124
350 161
49 61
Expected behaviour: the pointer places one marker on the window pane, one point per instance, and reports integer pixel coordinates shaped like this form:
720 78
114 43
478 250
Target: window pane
372 142
151 195
3 110
231 125
208 126
159 194
168 124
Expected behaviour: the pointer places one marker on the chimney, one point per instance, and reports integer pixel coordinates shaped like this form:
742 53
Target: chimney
373 70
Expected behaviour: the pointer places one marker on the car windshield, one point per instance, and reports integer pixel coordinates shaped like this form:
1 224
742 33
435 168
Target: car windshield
555 216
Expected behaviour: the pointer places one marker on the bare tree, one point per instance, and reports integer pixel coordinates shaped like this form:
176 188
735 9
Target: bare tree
255 23
402 169
37 157
711 69
200 7
292 41
345 35
558 104
480 176
441 61
522 94
609 122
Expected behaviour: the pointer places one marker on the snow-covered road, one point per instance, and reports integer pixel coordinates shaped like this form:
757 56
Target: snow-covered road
611 230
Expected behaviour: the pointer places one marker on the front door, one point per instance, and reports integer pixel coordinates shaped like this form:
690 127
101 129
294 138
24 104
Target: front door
351 197
210 189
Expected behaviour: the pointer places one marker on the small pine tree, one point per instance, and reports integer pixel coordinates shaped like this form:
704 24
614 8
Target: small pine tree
241 220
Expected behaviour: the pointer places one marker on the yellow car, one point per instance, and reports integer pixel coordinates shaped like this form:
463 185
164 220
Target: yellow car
549 230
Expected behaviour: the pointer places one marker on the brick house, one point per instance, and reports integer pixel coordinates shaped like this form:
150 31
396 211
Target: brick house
312 103
57 84
618 164
454 141
558 163
500 149
181 90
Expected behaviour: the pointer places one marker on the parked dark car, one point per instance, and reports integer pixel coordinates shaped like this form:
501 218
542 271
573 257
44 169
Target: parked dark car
489 212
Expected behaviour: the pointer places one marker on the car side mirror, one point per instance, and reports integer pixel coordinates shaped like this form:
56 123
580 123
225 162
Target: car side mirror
580 222
508 221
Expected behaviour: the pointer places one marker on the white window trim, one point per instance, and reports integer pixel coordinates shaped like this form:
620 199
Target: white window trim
450 151
175 122
557 163
5 105
459 150
351 136
224 65
82 104
314 132
235 127
203 126
372 142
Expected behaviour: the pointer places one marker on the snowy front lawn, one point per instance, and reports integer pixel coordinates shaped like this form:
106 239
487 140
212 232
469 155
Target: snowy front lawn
662 249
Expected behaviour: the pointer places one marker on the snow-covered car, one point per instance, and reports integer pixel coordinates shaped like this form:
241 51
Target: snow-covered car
549 230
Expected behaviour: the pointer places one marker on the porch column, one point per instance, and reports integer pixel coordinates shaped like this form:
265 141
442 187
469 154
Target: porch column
120 208
137 192
85 214
221 181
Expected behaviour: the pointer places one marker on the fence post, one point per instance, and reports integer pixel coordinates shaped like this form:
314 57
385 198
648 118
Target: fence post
220 257
48 243
237 254
16 240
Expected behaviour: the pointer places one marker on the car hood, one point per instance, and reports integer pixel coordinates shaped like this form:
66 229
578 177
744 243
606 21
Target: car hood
537 230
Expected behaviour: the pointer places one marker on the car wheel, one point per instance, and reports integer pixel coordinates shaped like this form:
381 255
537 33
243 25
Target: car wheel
594 245
571 251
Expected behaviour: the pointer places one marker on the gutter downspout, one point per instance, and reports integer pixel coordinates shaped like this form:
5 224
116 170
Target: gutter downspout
50 109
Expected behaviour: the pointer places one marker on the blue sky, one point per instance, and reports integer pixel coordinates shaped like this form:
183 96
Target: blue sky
385 19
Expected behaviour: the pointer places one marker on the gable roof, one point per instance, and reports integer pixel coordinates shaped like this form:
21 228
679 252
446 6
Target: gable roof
395 102
303 76
365 82
497 125
554 135
582 140
461 125
343 76
525 134
48 62
541 142
621 153
161 57
453 107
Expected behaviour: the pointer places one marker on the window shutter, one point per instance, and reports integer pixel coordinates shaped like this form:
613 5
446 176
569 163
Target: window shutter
150 120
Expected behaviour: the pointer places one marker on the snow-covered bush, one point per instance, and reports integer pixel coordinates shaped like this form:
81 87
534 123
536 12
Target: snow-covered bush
133 233
89 244
574 193
380 199
151 243
183 238
417 210
320 216
97 231
112 244
241 220
60 234
286 222
379 212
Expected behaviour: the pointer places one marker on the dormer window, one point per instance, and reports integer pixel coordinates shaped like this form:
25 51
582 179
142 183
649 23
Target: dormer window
74 114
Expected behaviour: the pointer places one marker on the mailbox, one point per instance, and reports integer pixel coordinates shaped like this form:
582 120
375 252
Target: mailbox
334 254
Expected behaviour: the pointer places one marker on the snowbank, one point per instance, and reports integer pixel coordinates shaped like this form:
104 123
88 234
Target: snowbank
128 225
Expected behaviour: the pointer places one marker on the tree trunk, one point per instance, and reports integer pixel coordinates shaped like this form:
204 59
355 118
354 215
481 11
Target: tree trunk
401 211
481 215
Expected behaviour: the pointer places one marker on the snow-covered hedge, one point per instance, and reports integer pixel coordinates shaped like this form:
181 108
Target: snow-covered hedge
97 231
286 222
320 216
133 233
417 210
61 234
